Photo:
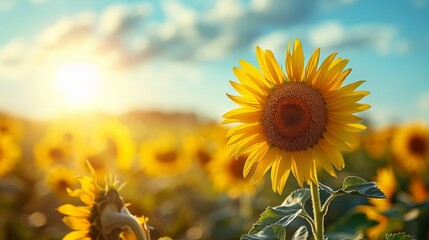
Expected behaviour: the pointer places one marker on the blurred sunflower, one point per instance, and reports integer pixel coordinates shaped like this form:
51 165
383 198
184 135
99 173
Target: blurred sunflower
164 155
93 152
387 183
12 127
117 143
296 122
376 142
410 147
207 141
69 132
51 151
60 178
104 215
10 153
418 189
227 175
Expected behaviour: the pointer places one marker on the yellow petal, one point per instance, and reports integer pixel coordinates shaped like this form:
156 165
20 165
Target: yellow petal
335 141
262 167
251 81
295 62
250 128
244 115
254 74
76 223
244 102
311 69
333 153
75 211
255 156
274 66
319 80
280 166
323 160
248 91
77 235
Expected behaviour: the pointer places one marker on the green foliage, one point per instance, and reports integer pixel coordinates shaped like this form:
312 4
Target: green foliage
281 216
357 186
300 234
299 197
398 236
270 232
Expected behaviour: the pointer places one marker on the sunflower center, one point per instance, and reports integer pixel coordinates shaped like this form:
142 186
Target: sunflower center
294 117
417 145
57 154
166 157
203 157
236 167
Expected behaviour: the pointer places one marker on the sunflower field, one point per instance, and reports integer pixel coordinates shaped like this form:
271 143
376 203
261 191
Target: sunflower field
179 176
214 120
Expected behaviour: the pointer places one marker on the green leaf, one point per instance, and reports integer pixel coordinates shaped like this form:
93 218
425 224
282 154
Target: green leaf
300 234
399 236
270 232
299 196
327 189
357 186
280 215
283 214
352 180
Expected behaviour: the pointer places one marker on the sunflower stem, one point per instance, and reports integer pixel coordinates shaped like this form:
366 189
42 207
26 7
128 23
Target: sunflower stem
317 212
307 217
328 201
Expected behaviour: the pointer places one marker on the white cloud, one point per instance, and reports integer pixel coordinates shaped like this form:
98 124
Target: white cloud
14 59
119 18
275 41
124 36
383 38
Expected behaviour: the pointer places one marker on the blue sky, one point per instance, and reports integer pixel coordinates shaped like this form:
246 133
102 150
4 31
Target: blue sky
178 55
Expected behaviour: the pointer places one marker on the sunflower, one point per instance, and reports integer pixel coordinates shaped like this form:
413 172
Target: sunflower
165 154
117 143
12 127
207 141
296 122
9 154
227 175
410 147
59 178
104 215
51 151
418 189
386 181
376 142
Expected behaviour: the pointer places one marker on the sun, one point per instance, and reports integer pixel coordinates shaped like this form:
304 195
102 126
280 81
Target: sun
77 82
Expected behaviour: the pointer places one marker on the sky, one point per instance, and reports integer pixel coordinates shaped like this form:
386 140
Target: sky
59 57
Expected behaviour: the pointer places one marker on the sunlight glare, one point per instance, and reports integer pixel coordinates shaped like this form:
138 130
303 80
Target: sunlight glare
77 82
